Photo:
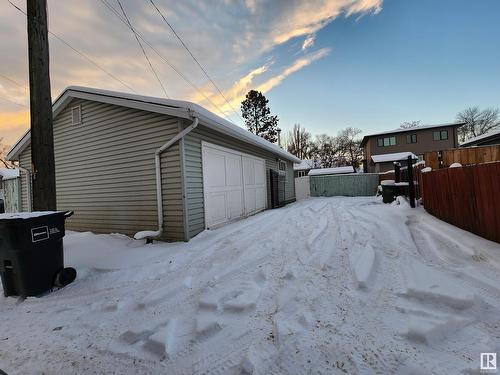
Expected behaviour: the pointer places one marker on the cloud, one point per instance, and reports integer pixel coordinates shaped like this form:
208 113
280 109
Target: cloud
228 37
296 66
236 93
308 42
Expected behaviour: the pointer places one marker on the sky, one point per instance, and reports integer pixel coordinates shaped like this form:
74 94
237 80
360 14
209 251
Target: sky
370 64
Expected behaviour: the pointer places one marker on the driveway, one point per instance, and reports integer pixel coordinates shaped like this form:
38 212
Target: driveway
324 285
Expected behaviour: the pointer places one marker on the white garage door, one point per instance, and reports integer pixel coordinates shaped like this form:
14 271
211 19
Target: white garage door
234 184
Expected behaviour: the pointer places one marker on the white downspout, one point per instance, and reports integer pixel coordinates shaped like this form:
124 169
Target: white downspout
149 234
28 186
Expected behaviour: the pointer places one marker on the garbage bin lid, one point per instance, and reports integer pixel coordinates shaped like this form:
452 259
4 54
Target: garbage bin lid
28 215
387 182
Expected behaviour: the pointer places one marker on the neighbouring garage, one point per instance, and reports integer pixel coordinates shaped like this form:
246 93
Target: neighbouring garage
234 184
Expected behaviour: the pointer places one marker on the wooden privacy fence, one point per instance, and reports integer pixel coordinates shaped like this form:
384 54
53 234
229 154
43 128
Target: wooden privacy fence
464 156
467 197
351 185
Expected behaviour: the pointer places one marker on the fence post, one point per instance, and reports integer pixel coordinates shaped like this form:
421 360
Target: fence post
411 182
397 172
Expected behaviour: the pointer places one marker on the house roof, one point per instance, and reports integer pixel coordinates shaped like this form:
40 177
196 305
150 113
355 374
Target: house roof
416 128
481 138
393 157
305 164
336 170
178 108
9 173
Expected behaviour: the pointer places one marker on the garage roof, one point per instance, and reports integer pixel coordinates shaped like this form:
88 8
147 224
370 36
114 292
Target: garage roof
397 156
178 108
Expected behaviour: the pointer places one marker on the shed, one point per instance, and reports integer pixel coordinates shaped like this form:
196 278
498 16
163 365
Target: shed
210 171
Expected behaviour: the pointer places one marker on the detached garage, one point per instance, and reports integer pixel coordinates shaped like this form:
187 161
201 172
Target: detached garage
167 169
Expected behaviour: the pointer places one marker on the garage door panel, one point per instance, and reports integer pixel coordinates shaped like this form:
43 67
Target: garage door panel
250 200
215 176
235 204
234 183
261 198
216 206
249 171
233 170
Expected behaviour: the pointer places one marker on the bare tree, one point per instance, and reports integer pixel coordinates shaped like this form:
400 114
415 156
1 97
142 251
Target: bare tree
325 151
299 142
477 122
409 124
349 151
3 152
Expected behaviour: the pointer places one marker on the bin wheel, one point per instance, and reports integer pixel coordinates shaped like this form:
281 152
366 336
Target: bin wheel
65 277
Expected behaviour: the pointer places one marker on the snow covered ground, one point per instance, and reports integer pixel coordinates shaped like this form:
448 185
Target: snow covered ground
322 286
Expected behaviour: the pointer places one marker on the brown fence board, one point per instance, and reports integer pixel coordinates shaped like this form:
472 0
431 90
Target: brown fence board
464 156
468 197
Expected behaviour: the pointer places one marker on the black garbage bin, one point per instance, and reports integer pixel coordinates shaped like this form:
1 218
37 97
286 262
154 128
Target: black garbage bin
388 191
31 251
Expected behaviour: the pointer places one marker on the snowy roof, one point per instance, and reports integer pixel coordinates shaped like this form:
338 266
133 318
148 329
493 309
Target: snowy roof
393 157
305 164
482 137
337 170
416 128
9 173
178 108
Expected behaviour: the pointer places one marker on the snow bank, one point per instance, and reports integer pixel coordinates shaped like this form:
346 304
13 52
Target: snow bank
26 215
455 165
326 171
397 156
426 169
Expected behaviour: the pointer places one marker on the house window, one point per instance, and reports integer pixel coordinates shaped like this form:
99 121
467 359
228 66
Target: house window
440 135
301 174
388 141
76 115
411 138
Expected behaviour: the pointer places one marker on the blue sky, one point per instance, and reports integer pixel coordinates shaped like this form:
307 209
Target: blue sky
325 64
415 60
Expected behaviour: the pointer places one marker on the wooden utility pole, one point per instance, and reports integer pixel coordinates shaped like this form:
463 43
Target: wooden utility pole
42 138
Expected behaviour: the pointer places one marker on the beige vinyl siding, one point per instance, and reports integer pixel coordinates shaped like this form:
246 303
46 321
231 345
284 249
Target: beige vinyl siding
105 169
25 162
194 171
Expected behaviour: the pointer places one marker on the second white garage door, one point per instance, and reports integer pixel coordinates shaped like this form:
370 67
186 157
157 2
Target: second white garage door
234 184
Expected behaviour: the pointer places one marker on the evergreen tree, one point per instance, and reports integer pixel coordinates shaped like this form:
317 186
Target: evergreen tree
258 118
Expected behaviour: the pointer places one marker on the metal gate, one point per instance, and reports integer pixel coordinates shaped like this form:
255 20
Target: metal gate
277 189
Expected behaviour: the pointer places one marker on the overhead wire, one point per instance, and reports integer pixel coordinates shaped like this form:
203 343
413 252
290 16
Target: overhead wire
194 58
60 39
159 54
142 49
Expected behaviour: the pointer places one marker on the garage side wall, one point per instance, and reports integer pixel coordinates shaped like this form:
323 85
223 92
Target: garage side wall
105 170
194 172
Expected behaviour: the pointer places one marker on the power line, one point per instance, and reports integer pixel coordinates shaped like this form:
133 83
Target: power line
13 102
194 58
14 82
187 80
78 52
142 49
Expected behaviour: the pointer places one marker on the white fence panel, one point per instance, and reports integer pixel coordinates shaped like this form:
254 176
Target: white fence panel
302 189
